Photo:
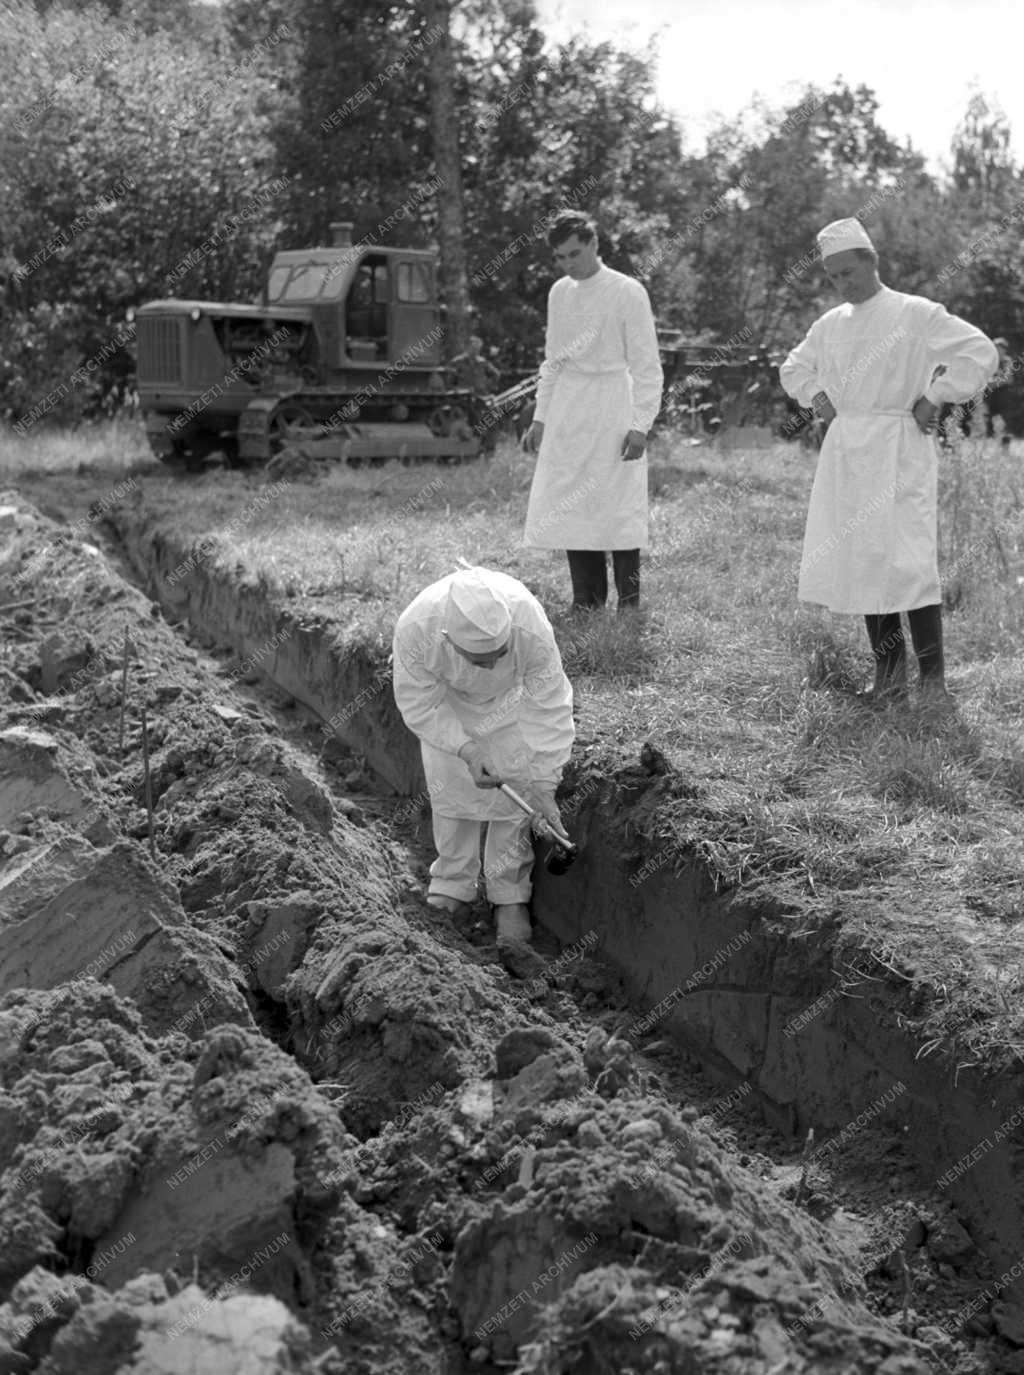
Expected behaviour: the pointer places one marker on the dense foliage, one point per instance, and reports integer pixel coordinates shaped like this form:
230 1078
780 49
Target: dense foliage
156 149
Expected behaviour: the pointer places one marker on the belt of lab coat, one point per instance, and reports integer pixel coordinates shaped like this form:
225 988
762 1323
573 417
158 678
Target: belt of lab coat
846 410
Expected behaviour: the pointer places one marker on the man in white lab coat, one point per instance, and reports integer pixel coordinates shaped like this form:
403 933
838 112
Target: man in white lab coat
598 395
876 369
479 679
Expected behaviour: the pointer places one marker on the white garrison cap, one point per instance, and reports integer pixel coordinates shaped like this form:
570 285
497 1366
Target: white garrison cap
477 617
841 235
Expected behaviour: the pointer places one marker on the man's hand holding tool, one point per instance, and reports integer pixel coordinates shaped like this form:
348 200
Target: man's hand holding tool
476 759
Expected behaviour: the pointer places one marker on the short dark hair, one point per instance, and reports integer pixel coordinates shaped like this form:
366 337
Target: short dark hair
570 222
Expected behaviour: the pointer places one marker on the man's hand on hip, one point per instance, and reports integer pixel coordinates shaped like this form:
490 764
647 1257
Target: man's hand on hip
475 758
533 437
823 408
633 445
925 413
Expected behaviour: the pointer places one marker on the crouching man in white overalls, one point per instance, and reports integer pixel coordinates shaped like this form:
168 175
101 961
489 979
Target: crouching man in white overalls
479 679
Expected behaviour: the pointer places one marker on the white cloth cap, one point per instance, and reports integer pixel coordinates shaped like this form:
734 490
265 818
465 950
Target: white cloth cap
477 617
841 235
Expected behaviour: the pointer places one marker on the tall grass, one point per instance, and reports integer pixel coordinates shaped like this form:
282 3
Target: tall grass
108 444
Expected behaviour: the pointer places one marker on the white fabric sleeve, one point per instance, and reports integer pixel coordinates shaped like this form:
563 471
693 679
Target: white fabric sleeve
421 697
970 358
799 373
642 358
549 369
545 708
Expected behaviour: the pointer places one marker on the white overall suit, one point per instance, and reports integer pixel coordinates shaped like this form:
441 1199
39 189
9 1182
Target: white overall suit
519 710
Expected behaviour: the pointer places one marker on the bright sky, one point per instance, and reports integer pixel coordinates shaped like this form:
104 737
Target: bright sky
920 57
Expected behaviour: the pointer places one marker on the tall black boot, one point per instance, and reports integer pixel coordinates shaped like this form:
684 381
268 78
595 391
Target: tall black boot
588 569
926 633
626 565
890 653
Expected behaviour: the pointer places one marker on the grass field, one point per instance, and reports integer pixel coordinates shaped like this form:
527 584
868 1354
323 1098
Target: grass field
916 821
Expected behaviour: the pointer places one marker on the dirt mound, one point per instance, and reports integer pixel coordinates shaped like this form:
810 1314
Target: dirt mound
717 1271
200 1152
300 1113
145 1329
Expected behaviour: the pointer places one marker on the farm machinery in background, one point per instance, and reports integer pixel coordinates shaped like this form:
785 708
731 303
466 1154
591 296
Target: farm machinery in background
344 355
710 389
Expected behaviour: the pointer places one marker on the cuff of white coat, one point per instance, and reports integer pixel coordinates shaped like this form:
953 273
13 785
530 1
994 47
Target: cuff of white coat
636 424
935 400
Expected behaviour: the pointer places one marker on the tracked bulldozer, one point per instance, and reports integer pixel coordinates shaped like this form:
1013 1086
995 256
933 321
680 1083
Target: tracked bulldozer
344 355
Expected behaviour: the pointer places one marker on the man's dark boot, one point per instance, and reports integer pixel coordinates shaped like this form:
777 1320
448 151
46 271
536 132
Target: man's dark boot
626 565
890 653
926 633
588 569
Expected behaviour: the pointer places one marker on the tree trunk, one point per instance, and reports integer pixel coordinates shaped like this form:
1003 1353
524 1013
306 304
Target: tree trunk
444 130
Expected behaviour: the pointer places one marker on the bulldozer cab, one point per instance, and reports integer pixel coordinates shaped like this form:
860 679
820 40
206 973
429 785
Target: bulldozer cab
371 307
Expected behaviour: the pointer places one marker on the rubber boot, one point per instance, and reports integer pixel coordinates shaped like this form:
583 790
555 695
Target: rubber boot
926 634
588 569
890 654
626 567
512 920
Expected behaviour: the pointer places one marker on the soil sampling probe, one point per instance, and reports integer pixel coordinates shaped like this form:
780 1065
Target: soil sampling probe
563 852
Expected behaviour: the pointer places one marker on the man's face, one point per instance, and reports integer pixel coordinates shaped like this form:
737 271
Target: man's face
481 660
576 258
855 278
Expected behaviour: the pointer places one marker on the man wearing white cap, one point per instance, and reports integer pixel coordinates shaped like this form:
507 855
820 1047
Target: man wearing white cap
479 679
876 369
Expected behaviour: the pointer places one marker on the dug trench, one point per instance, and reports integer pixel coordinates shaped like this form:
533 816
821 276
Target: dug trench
262 1112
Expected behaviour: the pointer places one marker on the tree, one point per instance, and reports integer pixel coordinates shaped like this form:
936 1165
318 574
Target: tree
444 131
548 127
132 167
983 166
820 158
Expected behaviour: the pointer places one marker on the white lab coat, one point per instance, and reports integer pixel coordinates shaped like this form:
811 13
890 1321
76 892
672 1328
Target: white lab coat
870 541
520 710
601 377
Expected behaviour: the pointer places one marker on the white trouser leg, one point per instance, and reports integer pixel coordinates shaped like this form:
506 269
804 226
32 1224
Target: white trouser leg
455 872
508 861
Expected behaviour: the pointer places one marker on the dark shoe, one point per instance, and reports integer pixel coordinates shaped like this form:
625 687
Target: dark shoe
891 696
936 699
889 687
890 654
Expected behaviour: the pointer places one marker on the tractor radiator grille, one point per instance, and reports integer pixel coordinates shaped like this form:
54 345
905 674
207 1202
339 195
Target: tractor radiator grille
159 354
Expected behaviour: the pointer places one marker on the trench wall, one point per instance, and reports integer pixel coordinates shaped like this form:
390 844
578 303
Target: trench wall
299 654
737 986
727 981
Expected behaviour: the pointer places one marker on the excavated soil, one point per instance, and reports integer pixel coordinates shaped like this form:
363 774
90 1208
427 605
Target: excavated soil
262 1112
